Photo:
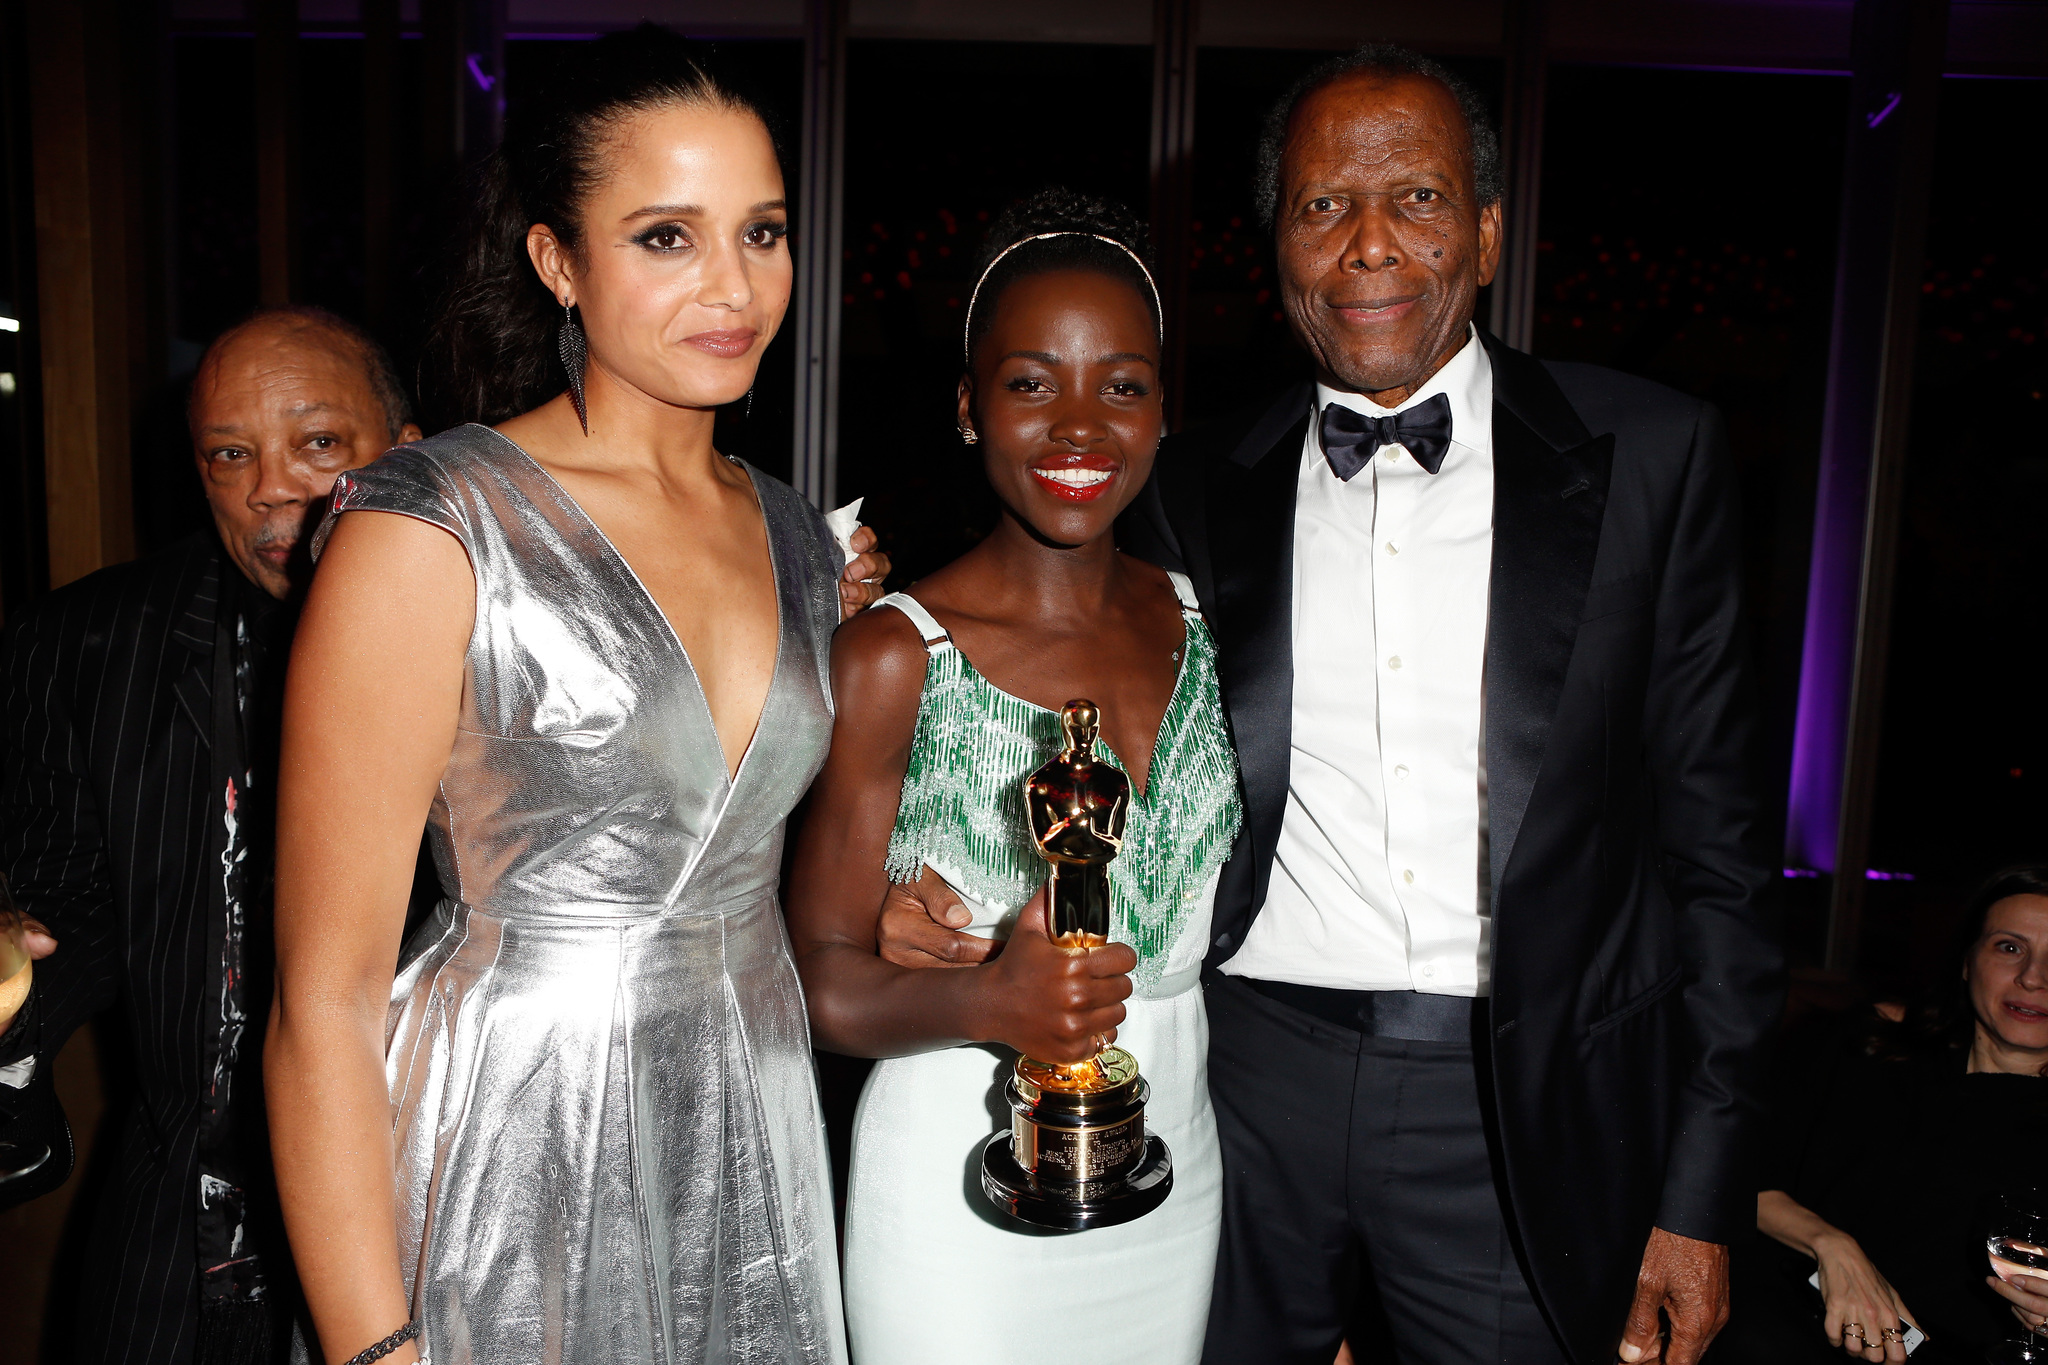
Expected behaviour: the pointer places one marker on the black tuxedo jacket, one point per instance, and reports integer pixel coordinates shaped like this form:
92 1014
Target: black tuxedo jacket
106 709
1636 968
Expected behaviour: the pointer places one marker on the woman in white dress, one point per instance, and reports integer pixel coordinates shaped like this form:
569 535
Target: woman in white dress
944 705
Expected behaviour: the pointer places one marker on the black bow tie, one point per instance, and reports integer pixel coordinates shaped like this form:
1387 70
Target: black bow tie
1350 439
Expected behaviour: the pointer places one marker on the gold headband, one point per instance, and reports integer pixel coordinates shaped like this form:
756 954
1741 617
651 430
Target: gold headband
967 331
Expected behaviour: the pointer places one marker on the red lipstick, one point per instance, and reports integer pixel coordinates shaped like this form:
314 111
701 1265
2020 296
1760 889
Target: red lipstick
1076 478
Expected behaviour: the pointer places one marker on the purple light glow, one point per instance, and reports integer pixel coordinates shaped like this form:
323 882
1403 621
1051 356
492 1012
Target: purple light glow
1891 102
476 70
1820 736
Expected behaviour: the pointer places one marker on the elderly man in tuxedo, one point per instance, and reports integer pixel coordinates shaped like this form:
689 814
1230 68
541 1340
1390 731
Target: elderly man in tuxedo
1494 958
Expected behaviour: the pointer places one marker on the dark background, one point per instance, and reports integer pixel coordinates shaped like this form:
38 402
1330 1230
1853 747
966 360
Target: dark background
1687 230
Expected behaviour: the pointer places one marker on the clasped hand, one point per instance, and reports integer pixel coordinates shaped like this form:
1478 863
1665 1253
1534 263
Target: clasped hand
860 583
1051 1003
29 939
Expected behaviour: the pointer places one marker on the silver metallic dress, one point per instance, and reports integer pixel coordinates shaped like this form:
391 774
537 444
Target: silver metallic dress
608 1137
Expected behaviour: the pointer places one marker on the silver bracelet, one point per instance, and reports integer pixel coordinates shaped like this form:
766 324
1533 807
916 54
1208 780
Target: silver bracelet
388 1345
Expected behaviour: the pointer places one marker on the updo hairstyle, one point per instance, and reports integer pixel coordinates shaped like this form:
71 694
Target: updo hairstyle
490 352
1059 210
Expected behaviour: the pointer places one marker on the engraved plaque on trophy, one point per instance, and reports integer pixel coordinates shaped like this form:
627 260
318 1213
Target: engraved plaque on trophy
1076 1154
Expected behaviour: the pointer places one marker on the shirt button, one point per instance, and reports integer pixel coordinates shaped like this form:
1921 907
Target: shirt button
1400 770
1429 972
1395 663
1408 876
1391 455
1390 548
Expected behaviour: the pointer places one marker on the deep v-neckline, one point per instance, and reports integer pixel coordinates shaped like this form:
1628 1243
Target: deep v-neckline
1140 796
732 774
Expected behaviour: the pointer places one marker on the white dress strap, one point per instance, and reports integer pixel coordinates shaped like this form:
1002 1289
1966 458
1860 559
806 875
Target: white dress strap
1185 591
929 630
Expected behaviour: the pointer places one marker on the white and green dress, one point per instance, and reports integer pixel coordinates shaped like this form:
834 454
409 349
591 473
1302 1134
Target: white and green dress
933 1273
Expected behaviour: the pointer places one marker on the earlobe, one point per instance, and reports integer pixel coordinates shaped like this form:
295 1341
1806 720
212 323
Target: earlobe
545 250
1489 242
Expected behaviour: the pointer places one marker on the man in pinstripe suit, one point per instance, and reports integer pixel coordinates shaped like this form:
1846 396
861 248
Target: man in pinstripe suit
138 726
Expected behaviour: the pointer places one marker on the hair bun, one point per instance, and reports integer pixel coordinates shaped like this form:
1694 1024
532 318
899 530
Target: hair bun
1059 209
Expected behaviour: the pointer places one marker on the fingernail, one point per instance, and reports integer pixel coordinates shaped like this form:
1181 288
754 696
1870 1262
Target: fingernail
1631 1351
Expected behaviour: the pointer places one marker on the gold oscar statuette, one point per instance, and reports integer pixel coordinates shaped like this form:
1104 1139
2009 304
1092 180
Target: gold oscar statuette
1076 1154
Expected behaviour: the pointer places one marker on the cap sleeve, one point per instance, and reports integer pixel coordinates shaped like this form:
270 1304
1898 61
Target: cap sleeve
407 480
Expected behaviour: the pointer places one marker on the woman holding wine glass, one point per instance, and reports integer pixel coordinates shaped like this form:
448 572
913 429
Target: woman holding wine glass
1893 1139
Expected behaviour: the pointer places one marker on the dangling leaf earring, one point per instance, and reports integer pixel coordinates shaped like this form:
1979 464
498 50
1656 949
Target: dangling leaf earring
569 342
967 435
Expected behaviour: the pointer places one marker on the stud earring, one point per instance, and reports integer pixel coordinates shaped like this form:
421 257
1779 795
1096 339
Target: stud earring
967 435
570 345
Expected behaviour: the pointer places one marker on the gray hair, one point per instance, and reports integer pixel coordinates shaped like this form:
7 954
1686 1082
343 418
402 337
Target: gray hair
1385 60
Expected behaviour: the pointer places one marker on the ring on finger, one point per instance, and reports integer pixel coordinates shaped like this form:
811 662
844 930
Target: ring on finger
1891 1334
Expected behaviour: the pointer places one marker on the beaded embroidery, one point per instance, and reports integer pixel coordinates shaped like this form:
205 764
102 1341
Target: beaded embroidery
962 805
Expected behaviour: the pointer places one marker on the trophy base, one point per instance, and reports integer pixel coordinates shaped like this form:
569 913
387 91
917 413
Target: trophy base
1075 1208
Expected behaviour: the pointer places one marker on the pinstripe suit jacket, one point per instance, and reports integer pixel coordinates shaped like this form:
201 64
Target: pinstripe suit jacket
105 777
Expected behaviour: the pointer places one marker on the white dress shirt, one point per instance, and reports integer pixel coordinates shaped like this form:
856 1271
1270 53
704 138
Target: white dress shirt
1380 879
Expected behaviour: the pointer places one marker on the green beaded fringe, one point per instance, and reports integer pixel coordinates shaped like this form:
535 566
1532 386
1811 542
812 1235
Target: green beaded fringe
962 805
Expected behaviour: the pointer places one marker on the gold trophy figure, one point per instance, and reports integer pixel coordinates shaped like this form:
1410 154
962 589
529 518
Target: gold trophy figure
1076 1154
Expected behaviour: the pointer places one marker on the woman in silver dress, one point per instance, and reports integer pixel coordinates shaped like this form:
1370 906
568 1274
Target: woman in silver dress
589 653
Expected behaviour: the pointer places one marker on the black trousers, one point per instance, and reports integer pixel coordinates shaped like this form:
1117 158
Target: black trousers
1356 1166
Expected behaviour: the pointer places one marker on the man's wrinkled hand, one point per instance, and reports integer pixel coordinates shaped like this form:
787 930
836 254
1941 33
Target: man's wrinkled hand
920 927
860 584
28 939
1687 1282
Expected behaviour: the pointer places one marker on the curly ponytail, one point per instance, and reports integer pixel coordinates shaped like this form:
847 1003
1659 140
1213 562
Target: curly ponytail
490 351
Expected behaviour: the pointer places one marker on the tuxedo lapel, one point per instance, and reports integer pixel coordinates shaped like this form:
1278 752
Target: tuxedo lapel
1549 497
1250 502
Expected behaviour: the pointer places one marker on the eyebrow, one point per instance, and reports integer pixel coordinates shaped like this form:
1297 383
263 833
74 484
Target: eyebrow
1048 358
695 210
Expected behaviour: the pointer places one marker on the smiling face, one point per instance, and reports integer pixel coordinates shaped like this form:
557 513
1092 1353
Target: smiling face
2008 974
1380 244
279 408
682 274
1065 398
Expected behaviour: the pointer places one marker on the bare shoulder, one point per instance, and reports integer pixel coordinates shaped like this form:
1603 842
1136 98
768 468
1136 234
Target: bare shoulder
376 543
1144 571
1154 584
390 574
878 661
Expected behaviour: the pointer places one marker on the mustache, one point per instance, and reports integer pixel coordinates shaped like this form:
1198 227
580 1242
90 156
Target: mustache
284 531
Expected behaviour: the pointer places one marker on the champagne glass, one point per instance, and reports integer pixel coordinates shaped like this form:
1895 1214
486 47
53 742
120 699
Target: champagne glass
2016 1238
